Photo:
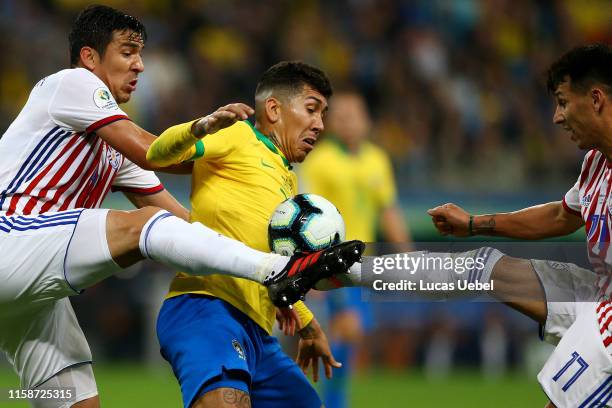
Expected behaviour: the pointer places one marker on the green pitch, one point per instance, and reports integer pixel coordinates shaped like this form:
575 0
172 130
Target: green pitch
133 386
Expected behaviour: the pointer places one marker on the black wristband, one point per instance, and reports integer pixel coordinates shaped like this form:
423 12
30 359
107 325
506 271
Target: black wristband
471 226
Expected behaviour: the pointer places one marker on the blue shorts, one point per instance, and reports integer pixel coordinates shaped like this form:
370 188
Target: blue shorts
210 344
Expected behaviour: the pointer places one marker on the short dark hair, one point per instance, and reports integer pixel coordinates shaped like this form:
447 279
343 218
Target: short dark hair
584 65
94 27
294 75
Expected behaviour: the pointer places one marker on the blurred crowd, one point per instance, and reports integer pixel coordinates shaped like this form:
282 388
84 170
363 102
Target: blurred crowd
456 90
456 87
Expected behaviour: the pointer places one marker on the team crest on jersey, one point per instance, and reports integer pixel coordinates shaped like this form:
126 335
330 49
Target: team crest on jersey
238 349
103 99
586 200
113 157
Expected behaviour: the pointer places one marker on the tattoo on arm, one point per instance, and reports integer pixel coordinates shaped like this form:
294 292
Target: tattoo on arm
236 398
485 225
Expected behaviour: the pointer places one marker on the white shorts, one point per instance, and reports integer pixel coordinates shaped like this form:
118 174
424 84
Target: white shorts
71 385
565 286
579 371
45 259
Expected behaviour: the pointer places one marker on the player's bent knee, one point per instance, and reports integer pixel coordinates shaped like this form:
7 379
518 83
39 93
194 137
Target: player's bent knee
123 229
224 398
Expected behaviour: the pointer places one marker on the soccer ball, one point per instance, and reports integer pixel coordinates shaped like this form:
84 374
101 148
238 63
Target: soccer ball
306 222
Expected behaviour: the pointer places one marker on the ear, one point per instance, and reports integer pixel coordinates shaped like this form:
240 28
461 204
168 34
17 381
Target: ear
598 99
272 107
89 58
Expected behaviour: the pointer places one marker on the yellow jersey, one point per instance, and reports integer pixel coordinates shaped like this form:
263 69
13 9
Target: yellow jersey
361 185
238 181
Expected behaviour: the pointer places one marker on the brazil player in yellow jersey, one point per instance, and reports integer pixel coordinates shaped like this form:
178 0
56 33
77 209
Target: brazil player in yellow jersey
216 332
355 175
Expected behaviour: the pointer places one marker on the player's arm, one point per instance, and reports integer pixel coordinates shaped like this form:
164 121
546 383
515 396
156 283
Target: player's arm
163 199
132 141
537 222
182 142
393 225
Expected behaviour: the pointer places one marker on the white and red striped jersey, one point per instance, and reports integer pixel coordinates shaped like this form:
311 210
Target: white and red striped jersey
604 318
590 199
50 156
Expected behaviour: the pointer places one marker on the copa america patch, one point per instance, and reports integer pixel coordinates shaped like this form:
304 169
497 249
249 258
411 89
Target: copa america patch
238 349
103 99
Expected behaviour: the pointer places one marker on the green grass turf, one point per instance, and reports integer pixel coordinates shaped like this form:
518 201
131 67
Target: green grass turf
123 386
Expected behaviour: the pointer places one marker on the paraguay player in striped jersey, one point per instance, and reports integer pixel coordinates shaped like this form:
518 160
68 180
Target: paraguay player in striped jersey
571 304
67 148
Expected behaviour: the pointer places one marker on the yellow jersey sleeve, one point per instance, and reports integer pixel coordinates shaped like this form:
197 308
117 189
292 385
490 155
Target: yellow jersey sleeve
220 144
175 145
304 314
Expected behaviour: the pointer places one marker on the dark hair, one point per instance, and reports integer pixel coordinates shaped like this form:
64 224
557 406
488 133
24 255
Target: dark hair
584 65
94 27
293 75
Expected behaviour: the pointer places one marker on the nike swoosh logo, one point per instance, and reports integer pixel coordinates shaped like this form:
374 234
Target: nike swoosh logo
263 163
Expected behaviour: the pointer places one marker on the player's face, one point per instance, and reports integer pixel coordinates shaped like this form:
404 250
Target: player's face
121 64
349 119
301 123
575 114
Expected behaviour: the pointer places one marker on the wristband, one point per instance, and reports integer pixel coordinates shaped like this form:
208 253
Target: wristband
471 226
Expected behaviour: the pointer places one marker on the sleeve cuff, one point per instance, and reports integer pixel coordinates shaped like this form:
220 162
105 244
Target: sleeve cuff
141 191
570 210
103 122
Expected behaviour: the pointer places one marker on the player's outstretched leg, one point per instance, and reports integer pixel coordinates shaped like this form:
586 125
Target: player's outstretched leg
304 270
106 241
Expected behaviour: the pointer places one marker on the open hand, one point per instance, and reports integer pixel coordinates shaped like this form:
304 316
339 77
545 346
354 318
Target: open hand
223 117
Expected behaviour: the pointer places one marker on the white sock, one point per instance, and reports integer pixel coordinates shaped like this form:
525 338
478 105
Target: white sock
427 269
198 250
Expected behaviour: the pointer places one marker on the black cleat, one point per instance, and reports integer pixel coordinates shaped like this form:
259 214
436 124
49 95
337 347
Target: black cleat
304 270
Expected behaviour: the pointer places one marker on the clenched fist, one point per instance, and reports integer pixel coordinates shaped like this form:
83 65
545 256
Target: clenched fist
450 219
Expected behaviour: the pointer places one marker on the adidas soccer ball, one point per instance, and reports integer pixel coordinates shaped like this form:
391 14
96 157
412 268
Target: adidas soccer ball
306 222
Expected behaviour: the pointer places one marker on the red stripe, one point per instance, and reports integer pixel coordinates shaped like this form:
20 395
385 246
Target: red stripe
39 177
106 121
570 210
97 192
607 341
307 261
605 324
603 304
603 314
315 256
295 268
143 191
586 167
66 166
84 194
84 180
106 191
596 175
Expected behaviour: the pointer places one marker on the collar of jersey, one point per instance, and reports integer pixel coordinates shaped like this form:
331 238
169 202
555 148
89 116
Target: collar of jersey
269 144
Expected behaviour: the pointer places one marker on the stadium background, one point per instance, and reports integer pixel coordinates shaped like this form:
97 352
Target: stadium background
456 93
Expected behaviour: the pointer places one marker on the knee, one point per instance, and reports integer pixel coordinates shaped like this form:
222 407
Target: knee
131 223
